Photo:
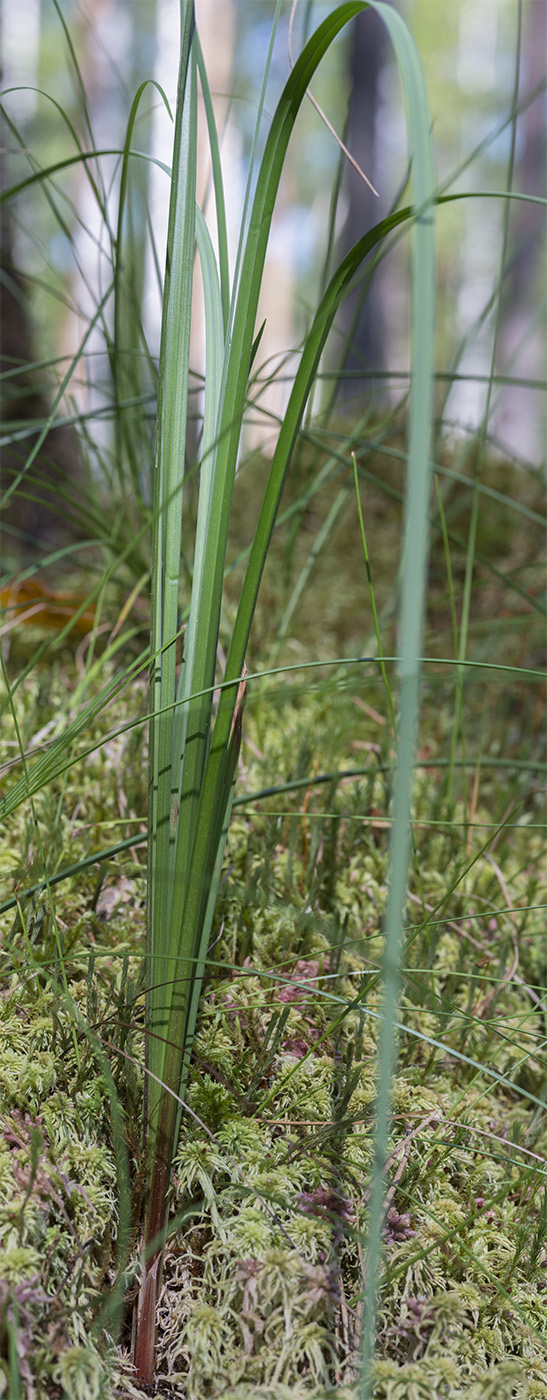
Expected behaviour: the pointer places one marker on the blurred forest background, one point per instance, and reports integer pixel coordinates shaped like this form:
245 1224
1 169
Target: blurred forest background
56 267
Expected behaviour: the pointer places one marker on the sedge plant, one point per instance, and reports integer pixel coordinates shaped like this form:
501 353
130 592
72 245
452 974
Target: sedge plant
194 745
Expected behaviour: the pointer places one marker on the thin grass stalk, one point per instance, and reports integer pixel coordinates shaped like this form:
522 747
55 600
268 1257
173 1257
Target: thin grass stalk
220 203
373 608
315 552
194 696
50 420
411 620
128 333
169 476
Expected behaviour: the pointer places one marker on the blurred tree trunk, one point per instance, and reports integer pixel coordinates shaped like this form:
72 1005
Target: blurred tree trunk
361 319
528 220
517 418
37 515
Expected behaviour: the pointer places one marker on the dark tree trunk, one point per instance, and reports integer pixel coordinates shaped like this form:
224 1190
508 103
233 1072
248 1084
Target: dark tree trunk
41 511
361 319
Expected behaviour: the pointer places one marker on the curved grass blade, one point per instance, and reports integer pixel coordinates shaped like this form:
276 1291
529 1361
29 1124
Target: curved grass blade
128 336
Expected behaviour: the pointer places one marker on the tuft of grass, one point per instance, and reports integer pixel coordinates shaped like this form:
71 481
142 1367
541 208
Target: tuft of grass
192 771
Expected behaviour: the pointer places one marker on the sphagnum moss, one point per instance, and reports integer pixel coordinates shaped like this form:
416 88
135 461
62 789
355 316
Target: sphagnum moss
277 1196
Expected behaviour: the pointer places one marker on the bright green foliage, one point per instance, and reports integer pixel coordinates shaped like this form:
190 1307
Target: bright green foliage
59 1200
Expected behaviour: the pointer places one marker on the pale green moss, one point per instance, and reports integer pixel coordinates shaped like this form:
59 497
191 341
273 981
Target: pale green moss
80 1374
277 1177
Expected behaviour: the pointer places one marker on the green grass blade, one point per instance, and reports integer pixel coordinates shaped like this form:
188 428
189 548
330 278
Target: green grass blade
304 576
220 203
315 342
411 620
64 385
169 477
194 696
128 337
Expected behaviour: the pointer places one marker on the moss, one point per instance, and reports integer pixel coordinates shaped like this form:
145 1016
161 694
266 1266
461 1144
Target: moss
59 1198
440 1377
80 1373
261 1284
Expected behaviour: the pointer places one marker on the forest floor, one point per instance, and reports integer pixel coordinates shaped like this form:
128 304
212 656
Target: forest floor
263 1272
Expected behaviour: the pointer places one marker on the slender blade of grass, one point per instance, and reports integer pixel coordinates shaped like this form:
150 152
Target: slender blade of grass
411 620
169 475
